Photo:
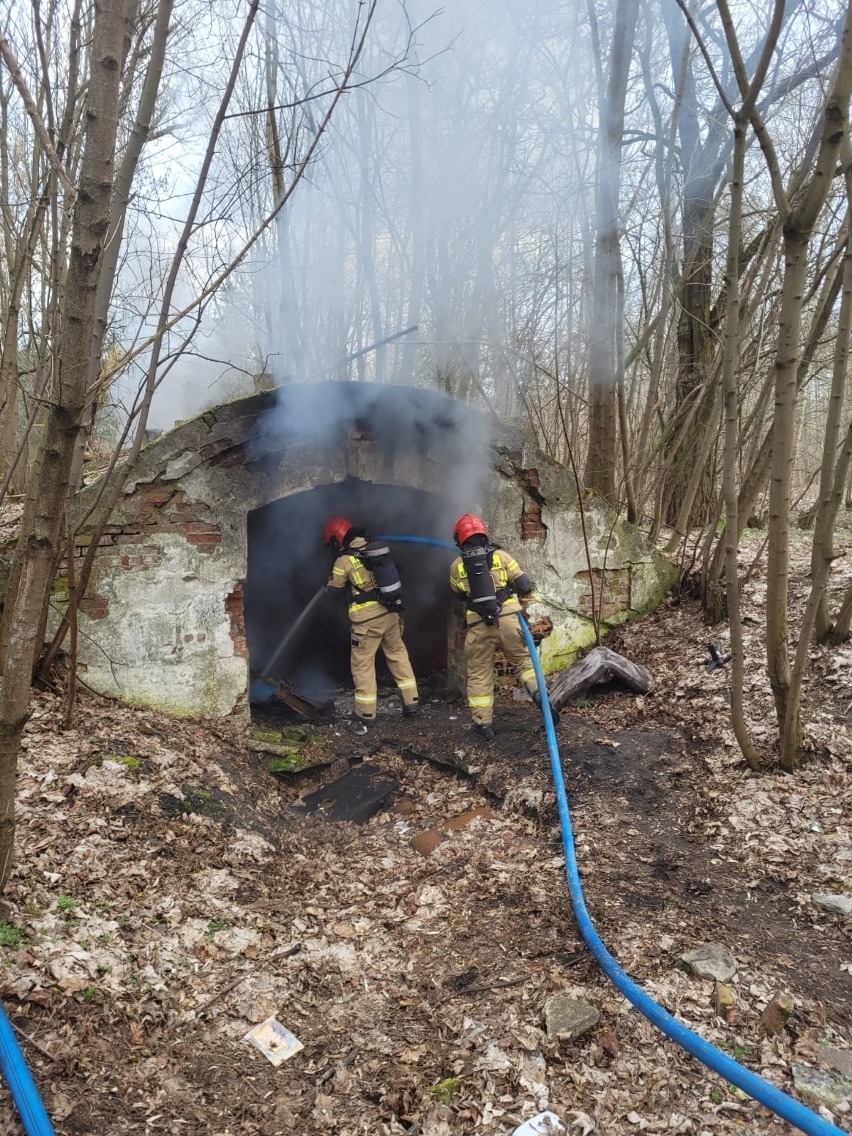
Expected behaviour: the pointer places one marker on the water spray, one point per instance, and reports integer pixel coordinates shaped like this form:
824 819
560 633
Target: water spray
293 629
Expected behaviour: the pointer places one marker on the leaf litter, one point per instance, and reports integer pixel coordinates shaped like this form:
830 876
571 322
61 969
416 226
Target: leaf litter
166 901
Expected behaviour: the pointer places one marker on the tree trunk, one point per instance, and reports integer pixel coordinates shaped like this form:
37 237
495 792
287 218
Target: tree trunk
833 476
799 225
603 354
758 468
700 147
39 541
729 473
780 485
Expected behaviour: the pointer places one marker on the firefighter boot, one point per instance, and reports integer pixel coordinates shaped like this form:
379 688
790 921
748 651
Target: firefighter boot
360 726
484 731
554 713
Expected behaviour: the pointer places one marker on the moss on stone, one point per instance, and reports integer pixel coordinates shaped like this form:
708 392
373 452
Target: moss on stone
560 649
261 734
59 591
287 763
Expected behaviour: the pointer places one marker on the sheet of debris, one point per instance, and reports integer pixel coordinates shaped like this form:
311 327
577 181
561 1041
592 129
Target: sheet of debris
168 899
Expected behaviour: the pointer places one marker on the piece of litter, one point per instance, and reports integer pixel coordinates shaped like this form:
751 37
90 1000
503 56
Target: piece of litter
545 1124
274 1041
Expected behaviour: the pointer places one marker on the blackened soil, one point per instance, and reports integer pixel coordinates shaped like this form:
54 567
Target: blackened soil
651 837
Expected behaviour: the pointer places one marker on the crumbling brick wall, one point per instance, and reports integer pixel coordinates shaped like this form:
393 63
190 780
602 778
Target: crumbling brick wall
611 593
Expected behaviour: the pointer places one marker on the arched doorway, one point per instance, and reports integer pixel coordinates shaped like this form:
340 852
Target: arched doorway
287 563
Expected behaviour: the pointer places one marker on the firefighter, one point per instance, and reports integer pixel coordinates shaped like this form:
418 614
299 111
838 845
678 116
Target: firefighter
372 623
490 581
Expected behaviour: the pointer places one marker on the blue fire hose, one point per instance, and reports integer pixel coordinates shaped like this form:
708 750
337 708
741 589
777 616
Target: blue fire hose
21 1085
756 1087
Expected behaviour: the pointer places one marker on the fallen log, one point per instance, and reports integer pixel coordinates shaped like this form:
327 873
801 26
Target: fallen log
600 665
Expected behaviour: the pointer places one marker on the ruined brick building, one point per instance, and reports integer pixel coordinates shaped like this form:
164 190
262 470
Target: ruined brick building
216 545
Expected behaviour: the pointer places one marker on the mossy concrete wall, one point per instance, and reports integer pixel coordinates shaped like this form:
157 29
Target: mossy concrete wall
628 577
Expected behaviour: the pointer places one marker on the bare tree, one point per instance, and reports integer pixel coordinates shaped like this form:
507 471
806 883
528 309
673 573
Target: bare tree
38 547
836 456
606 328
750 88
798 216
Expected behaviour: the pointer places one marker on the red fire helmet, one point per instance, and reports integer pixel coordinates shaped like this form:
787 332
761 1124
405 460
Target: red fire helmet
336 529
467 526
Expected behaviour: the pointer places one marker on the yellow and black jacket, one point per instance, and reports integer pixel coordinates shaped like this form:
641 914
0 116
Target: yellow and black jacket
505 570
348 572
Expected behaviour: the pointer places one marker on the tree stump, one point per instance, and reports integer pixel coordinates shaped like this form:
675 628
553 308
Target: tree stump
600 665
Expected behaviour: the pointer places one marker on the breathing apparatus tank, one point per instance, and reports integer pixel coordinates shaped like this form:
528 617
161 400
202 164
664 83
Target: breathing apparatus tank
377 558
483 596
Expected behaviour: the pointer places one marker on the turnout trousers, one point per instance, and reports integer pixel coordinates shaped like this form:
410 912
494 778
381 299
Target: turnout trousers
480 646
383 631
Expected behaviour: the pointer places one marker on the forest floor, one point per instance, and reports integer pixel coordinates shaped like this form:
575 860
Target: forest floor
167 898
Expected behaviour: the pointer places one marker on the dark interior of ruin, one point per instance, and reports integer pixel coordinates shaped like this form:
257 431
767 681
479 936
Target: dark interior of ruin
288 562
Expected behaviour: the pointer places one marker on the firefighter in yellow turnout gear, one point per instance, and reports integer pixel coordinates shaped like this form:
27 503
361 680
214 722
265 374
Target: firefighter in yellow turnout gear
490 581
372 625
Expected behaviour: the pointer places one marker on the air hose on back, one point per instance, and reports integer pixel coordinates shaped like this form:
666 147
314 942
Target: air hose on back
754 1086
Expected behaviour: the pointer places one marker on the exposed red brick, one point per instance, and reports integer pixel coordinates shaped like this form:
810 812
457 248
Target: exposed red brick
612 592
95 607
774 1017
541 628
532 525
195 527
235 607
158 495
205 540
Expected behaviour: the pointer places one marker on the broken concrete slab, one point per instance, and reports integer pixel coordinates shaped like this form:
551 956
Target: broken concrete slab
839 1060
710 960
821 1088
837 903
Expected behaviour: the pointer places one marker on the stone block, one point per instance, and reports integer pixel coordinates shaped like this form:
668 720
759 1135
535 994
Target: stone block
710 960
724 999
774 1017
838 903
839 1060
568 1017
